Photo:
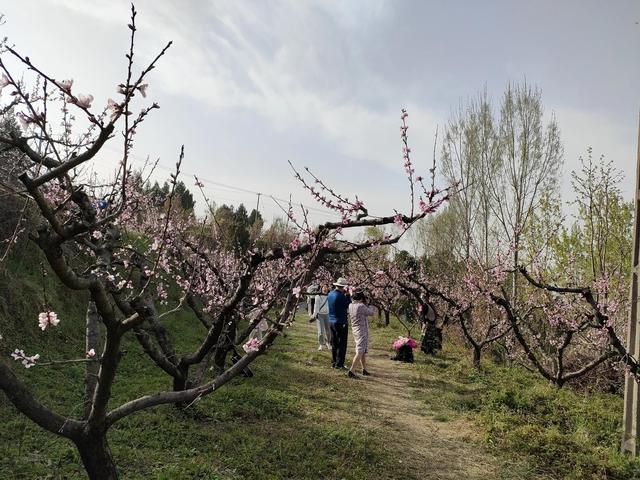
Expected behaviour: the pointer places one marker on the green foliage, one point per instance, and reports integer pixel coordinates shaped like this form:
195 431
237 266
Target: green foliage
182 194
405 260
436 236
279 234
605 220
598 241
237 230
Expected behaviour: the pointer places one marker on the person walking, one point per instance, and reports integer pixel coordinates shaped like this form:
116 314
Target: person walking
359 314
338 302
321 316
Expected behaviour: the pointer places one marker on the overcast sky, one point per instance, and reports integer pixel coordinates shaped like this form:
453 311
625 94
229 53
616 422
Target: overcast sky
249 85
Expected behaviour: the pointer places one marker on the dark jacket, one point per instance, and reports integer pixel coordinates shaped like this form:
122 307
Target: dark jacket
338 305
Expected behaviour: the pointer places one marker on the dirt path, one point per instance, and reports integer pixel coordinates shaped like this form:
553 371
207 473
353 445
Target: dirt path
438 450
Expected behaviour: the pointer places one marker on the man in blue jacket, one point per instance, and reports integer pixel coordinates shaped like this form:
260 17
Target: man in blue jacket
338 302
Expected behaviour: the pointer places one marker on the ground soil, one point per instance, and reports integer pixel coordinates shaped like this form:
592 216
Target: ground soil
436 449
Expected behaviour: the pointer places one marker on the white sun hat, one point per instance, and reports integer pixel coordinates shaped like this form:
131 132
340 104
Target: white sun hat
341 282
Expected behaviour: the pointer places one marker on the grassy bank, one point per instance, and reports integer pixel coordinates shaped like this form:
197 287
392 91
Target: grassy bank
297 418
549 433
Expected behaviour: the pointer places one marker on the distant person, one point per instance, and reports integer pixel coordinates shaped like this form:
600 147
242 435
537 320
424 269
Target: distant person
321 316
431 334
338 302
359 314
312 291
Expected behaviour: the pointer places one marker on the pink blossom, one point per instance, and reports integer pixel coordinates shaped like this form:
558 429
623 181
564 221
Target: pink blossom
114 107
66 85
162 293
96 234
25 120
20 356
398 220
252 345
402 341
143 89
4 81
296 291
47 318
84 101
91 353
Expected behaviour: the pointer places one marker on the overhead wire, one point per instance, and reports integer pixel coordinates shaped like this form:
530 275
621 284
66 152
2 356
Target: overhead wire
228 187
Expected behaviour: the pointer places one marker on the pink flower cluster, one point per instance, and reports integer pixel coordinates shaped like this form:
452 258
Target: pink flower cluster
252 345
4 81
330 199
398 220
402 341
20 356
48 318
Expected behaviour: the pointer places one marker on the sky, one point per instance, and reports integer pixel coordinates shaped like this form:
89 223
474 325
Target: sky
248 86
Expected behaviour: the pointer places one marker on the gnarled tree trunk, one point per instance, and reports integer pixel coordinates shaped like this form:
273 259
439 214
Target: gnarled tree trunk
92 368
96 457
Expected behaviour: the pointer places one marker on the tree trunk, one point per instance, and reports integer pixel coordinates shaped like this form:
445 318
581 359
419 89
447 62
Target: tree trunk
179 384
96 457
514 274
477 352
202 368
92 368
386 318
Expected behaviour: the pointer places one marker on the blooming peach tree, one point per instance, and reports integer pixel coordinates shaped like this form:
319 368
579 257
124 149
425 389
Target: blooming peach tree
104 241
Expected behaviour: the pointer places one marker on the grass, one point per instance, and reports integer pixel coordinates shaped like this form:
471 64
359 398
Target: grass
296 418
280 424
548 433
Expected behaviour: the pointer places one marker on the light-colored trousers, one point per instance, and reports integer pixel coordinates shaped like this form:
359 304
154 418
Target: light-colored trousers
324 329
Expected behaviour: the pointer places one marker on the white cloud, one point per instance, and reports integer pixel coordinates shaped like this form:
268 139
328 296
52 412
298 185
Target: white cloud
331 72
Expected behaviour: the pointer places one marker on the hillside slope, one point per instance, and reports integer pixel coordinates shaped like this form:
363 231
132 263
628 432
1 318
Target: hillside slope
298 418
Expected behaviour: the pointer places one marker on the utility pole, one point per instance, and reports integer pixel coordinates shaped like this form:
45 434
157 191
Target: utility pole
631 421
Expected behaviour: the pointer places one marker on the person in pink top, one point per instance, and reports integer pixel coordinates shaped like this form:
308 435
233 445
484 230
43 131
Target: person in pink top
359 314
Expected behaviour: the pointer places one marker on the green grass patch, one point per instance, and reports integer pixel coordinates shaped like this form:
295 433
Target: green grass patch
549 432
272 426
296 418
